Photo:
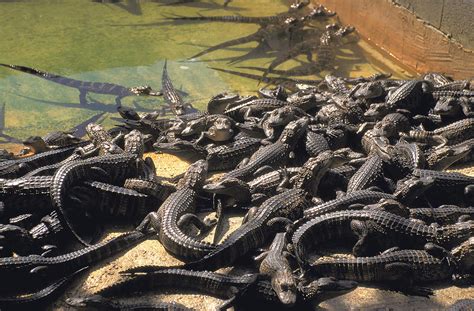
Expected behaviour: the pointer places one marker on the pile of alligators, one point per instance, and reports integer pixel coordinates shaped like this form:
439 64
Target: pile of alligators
353 163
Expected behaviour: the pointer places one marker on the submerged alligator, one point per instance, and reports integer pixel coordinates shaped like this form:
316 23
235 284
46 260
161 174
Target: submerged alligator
85 87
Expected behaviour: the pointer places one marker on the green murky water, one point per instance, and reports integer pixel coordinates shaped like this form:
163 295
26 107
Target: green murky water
115 43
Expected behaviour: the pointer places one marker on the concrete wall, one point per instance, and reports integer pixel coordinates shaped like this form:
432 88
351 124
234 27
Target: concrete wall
453 17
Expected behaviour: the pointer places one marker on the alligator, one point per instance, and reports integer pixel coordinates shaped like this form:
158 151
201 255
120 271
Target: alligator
313 170
345 202
439 159
275 154
442 215
280 117
34 270
21 166
172 96
39 299
238 290
323 46
275 265
389 228
107 201
259 227
451 134
220 130
85 87
53 140
25 195
228 156
264 35
177 213
98 302
113 168
402 268
369 174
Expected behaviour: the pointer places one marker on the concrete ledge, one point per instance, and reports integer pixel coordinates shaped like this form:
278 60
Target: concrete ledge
396 30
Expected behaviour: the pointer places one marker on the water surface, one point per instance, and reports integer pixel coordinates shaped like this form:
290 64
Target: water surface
126 43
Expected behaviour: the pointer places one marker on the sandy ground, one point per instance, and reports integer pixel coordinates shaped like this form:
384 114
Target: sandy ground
151 252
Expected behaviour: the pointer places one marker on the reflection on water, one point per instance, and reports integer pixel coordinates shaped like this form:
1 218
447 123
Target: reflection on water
126 43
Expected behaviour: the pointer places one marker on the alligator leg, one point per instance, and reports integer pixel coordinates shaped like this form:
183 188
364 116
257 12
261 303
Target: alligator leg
203 226
150 222
400 274
250 214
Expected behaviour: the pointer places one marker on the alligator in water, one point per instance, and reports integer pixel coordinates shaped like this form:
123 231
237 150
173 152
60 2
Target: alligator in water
84 86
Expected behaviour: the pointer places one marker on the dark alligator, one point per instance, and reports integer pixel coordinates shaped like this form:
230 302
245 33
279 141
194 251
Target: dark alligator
228 156
177 213
451 134
25 195
246 290
401 268
114 168
31 272
390 229
85 87
40 298
107 201
345 202
172 96
98 302
19 167
259 227
275 265
369 174
442 215
440 159
273 155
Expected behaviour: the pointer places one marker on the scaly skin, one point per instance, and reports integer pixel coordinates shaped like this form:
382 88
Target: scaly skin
25 195
443 215
395 229
19 167
246 290
343 203
451 134
38 299
46 268
256 231
275 265
405 265
227 156
274 155
369 174
169 221
108 201
102 303
118 166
